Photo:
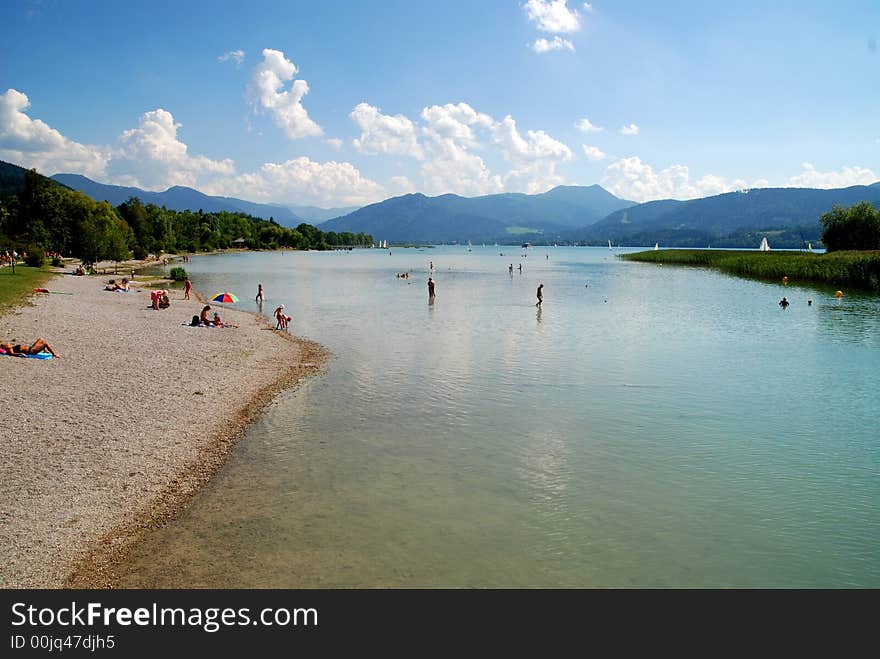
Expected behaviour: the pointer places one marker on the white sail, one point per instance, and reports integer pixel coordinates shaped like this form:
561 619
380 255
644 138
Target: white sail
656 247
765 246
609 244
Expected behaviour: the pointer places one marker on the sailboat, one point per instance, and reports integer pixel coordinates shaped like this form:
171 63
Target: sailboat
609 245
469 245
656 247
765 246
810 246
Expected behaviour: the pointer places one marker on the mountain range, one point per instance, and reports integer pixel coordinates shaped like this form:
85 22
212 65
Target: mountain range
573 214
697 220
505 217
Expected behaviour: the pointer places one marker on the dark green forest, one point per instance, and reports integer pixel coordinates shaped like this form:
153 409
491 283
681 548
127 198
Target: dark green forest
38 213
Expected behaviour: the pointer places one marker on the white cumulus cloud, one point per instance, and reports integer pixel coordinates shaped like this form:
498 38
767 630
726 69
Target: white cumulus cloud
553 16
632 129
383 133
630 178
266 90
586 126
593 153
236 56
31 143
152 157
535 157
456 122
542 45
844 177
451 133
537 145
302 181
452 168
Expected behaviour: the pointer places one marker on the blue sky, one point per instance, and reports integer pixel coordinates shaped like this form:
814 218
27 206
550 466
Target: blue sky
345 103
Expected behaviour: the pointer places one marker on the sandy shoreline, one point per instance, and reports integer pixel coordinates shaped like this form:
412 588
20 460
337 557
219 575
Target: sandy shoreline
114 437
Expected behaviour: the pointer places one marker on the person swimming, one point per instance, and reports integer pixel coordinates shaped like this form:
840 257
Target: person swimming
784 303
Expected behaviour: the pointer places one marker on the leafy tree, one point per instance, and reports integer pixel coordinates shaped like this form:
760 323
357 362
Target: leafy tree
856 227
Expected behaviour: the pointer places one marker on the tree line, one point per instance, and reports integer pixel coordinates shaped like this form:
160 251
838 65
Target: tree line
47 216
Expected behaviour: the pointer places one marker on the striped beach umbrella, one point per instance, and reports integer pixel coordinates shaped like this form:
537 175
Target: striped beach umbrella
224 298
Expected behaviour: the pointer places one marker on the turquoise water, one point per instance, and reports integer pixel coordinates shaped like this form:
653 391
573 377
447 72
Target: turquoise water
647 427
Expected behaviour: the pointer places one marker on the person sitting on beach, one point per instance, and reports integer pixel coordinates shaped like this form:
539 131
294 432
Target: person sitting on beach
20 350
80 271
219 323
203 317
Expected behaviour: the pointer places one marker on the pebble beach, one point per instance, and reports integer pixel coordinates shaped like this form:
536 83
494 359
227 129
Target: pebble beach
112 438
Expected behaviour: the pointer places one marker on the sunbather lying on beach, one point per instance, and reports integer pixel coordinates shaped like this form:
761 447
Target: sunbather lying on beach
21 350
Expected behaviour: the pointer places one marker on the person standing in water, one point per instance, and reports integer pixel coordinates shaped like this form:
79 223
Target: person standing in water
259 297
540 294
430 288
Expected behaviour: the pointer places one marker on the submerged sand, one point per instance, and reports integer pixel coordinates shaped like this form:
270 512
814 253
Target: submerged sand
115 436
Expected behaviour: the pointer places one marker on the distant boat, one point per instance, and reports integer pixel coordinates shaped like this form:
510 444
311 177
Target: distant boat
555 245
765 246
526 245
656 246
469 245
810 246
610 246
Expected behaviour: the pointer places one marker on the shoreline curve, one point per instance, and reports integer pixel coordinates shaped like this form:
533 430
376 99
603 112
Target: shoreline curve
131 422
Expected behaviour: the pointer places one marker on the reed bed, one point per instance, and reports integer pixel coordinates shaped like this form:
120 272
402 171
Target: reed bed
851 269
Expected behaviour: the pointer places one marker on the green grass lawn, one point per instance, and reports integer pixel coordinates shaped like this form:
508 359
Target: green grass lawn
16 288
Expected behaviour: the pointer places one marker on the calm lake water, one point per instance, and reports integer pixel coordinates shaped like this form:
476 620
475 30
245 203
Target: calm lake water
648 427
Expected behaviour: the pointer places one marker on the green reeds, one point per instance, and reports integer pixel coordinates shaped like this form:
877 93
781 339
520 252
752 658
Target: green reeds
852 269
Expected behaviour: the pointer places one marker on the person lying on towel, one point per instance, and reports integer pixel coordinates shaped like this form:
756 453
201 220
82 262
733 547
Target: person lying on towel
20 350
